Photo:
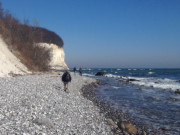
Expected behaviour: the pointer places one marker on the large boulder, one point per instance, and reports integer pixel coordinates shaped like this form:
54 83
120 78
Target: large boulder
100 73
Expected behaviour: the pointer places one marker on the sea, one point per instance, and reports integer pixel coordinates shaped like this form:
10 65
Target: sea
147 95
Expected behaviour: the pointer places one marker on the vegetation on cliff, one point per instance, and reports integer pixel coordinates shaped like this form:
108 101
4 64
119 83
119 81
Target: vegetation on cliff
21 39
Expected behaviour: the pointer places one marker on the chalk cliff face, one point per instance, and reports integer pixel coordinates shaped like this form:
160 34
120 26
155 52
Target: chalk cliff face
9 63
57 56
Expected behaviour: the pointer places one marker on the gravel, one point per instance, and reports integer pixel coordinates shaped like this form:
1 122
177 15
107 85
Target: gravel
37 104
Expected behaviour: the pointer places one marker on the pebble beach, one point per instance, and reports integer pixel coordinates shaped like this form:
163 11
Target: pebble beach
38 104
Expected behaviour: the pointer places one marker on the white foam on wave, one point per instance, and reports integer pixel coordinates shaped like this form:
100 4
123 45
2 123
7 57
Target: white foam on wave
116 76
166 83
90 75
115 87
112 76
118 69
158 83
150 73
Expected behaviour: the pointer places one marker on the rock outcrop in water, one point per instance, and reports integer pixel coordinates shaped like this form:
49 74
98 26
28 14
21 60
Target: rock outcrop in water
177 91
100 73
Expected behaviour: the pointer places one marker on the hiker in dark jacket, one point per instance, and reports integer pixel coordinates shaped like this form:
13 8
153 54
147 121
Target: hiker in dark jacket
74 69
66 78
80 71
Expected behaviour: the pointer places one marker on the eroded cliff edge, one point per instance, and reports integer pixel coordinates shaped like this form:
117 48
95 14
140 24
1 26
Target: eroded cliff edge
57 56
11 65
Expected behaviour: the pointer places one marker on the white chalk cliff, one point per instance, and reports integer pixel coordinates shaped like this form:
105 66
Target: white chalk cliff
9 63
57 56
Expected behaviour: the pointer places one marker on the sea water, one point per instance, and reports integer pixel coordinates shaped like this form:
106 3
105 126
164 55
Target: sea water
149 99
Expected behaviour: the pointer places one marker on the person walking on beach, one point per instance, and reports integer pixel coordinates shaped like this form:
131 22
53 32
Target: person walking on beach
74 70
66 79
80 71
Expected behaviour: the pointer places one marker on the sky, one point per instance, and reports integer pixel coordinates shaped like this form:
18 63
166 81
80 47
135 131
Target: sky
109 33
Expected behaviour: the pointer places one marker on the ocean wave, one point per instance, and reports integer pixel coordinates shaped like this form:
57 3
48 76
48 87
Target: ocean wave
115 87
112 76
158 83
165 83
90 75
150 73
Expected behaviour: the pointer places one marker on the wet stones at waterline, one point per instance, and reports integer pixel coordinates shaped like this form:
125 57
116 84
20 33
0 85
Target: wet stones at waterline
127 127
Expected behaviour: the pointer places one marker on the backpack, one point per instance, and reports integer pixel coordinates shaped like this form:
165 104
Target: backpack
66 77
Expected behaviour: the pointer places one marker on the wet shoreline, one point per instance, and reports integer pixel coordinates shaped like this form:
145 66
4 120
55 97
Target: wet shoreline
111 113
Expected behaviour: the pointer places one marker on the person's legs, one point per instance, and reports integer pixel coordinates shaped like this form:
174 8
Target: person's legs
64 86
66 89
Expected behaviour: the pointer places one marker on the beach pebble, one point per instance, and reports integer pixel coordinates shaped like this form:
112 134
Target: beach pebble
117 131
37 105
26 134
43 121
126 126
111 122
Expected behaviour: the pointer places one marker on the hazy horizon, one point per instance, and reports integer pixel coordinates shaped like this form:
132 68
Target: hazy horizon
103 33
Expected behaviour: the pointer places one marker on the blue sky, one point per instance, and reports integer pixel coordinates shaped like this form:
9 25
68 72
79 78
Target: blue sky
109 33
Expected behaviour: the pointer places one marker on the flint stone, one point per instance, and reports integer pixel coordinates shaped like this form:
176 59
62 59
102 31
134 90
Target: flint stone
43 121
110 122
126 126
